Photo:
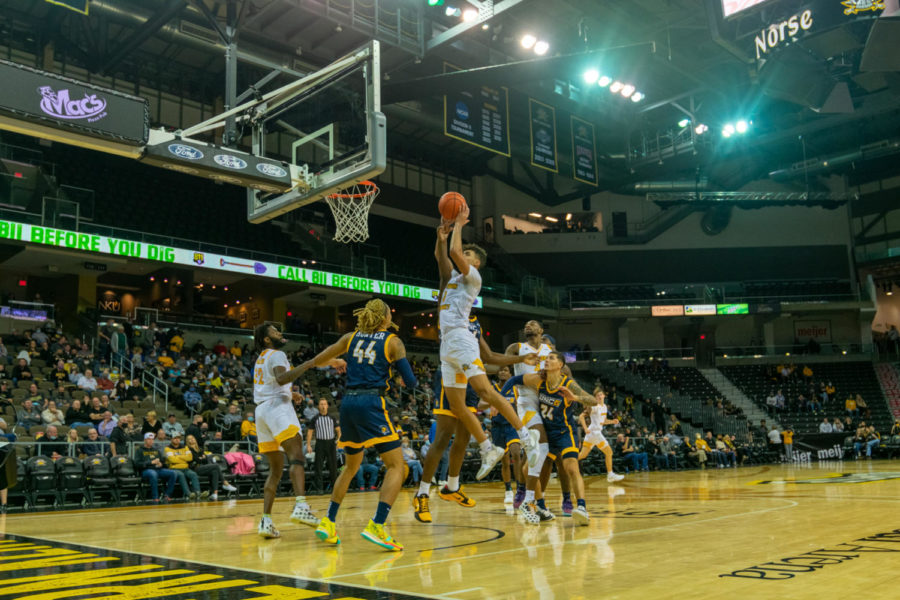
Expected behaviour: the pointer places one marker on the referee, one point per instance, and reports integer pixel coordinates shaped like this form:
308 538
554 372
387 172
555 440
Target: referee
327 434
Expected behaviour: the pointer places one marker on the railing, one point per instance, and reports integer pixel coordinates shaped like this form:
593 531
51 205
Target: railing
30 449
149 381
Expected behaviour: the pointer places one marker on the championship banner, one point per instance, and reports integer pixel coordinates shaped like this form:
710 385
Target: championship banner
819 446
480 117
99 244
542 119
584 151
65 105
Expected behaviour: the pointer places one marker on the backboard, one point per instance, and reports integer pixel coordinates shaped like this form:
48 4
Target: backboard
328 127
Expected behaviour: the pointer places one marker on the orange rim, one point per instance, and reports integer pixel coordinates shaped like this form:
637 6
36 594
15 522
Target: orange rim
372 188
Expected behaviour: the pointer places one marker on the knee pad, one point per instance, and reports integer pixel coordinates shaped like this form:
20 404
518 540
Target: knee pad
543 451
297 461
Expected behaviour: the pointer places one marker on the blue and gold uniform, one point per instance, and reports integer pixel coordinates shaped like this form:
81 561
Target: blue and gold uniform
555 413
502 433
364 418
441 403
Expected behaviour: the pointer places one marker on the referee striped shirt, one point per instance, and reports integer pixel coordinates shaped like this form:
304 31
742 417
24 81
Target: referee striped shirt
324 426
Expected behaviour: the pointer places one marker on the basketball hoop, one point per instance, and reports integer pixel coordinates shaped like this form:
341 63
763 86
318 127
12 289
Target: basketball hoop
350 208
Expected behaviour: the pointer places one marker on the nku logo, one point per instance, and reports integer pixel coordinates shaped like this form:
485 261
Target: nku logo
185 151
58 104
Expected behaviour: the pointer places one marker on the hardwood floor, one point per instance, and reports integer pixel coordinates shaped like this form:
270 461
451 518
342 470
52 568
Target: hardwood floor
821 531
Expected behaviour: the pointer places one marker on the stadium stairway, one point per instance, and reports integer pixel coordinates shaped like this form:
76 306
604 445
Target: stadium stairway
889 379
728 390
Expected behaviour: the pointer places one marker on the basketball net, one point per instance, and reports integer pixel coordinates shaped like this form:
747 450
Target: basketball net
350 208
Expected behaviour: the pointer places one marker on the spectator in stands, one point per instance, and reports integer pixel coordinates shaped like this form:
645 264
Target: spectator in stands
179 459
310 411
787 440
92 446
86 381
807 373
895 428
248 427
107 425
219 349
825 426
850 407
76 416
135 391
192 399
149 462
119 438
51 444
412 461
232 422
5 433
22 371
837 426
172 427
164 360
105 385
863 408
73 441
59 374
779 401
28 416
201 464
161 442
368 469
713 450
696 452
771 402
667 455
52 415
194 428
626 449
95 411
118 341
873 439
151 424
120 391
235 349
774 440
728 454
4 354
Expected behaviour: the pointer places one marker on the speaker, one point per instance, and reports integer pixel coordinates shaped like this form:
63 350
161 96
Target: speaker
620 224
880 53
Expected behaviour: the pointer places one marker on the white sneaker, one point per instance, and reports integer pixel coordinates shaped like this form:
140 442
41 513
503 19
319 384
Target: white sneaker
304 516
489 460
531 446
267 529
580 516
613 477
442 483
509 497
528 514
228 487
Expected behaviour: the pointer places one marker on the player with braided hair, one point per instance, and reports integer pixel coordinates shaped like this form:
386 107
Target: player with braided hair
372 353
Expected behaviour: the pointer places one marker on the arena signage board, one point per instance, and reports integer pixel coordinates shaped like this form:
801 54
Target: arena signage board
48 99
98 244
785 30
732 309
733 7
479 117
820 331
675 310
699 309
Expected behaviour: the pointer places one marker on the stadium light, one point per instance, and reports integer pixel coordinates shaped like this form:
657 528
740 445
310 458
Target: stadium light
535 215
627 90
741 126
591 75
604 81
616 86
552 219
541 47
700 129
684 123
451 11
728 130
435 2
469 15
528 41
637 97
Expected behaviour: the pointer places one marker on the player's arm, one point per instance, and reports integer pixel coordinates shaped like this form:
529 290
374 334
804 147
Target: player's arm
327 357
397 352
582 422
488 356
440 254
532 380
456 253
573 393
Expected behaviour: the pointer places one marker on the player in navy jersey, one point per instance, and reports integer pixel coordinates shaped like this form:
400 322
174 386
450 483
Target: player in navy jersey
556 392
372 353
505 436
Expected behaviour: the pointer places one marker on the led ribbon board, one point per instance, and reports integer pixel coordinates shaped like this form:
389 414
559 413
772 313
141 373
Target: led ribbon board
98 244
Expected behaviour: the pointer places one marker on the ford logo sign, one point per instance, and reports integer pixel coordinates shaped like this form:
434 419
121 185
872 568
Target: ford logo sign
271 170
184 151
230 161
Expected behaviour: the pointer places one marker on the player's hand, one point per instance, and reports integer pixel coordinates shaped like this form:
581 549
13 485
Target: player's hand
531 358
614 422
462 217
444 229
569 394
338 364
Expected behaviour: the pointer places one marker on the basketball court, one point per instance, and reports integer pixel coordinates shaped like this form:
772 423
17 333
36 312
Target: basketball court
756 532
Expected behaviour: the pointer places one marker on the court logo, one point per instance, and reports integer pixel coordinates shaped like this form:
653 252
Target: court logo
836 478
59 105
229 161
199 258
185 151
462 110
854 7
271 170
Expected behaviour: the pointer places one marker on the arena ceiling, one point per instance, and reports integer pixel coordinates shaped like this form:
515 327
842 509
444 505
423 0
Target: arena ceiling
670 49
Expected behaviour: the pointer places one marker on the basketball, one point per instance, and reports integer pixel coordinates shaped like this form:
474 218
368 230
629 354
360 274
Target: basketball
450 204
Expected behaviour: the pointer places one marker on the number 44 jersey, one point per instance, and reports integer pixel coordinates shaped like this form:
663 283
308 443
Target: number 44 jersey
368 360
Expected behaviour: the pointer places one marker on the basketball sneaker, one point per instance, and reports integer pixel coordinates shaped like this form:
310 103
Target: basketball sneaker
613 477
489 460
529 515
302 515
508 497
457 497
567 507
267 528
327 531
544 514
580 516
530 444
421 509
376 534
